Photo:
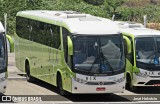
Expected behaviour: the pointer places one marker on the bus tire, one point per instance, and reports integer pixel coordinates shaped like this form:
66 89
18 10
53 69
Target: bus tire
128 81
28 75
129 85
60 86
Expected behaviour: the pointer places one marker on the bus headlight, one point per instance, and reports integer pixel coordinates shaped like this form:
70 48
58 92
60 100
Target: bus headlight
80 80
141 74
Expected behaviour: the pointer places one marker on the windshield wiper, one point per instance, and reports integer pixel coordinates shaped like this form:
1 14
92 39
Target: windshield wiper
103 58
106 60
90 69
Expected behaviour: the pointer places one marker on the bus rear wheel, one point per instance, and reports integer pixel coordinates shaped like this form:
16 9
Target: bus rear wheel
60 86
28 75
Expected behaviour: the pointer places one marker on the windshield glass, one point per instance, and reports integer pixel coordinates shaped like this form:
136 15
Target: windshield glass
2 51
98 54
148 51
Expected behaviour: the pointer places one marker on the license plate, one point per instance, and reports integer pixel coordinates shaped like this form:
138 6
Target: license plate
100 89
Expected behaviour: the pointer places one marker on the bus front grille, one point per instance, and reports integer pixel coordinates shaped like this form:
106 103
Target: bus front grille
153 82
101 83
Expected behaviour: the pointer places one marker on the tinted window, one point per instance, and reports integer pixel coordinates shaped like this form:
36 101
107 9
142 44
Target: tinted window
22 27
65 33
40 32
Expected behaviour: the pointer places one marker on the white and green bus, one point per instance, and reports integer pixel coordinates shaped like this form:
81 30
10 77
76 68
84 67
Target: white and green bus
4 58
143 63
71 50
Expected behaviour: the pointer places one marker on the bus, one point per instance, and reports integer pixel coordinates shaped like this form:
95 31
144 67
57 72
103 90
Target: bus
143 63
4 58
71 50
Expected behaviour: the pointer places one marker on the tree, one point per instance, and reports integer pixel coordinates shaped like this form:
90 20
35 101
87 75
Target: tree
112 5
95 2
11 7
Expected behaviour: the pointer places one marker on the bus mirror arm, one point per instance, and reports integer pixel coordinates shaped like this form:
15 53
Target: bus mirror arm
128 44
70 46
135 69
11 43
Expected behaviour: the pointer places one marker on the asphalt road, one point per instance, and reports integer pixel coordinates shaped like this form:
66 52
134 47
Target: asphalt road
18 86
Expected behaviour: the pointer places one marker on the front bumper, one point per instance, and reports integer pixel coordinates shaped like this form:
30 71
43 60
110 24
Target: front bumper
145 81
106 84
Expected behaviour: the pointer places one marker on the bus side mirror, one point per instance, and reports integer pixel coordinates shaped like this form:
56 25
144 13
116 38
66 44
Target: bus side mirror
70 46
11 43
127 45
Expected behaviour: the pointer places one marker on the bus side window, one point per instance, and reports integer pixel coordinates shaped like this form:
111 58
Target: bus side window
41 26
54 33
57 36
22 27
47 35
51 31
42 33
65 33
33 30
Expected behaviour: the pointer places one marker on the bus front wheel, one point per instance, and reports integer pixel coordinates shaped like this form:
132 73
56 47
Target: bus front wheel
129 84
60 86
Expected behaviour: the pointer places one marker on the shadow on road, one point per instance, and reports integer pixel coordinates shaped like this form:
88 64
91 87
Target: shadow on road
147 90
45 85
96 98
82 97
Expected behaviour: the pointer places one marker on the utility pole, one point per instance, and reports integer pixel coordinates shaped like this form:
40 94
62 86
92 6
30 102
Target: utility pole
145 20
113 17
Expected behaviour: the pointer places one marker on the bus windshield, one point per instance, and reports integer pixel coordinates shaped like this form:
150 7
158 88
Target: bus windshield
148 50
98 54
2 52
